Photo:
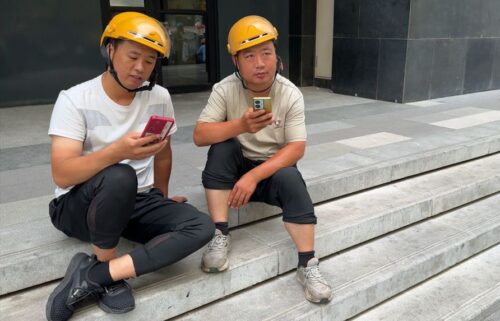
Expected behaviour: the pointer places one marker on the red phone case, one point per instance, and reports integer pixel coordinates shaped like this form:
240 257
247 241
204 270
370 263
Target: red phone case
158 125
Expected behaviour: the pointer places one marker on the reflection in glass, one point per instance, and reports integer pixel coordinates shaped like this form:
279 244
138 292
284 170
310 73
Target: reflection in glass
185 5
126 3
187 62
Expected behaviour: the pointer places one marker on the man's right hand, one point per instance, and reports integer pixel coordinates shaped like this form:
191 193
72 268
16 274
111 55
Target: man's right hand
254 120
133 146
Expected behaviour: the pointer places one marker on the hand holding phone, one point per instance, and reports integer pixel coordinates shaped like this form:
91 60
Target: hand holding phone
158 125
263 103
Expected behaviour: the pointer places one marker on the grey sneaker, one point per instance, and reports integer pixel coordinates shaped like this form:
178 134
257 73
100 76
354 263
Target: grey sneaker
316 288
215 257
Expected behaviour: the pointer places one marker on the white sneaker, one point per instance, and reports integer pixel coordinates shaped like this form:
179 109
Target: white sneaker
316 288
215 257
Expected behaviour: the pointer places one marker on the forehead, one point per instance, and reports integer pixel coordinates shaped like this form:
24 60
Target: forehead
129 46
268 45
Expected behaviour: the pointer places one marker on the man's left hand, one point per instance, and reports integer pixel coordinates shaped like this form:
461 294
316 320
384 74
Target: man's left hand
242 191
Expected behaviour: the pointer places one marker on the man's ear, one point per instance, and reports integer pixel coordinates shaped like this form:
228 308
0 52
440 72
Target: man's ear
110 49
235 61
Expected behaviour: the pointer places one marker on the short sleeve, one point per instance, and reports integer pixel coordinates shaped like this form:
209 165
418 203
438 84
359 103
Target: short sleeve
169 112
66 119
295 125
216 108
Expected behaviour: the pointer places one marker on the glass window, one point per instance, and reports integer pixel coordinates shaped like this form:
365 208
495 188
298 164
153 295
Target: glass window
126 3
185 5
187 61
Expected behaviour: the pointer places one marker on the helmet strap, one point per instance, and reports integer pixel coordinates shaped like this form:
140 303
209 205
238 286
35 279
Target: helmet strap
109 62
238 75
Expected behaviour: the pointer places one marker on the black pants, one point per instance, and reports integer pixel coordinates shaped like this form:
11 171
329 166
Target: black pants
286 188
108 206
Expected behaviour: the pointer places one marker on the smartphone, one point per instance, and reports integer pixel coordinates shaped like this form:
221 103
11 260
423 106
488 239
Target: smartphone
265 103
158 125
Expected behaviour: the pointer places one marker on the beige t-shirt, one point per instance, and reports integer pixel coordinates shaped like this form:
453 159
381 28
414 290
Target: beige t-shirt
229 100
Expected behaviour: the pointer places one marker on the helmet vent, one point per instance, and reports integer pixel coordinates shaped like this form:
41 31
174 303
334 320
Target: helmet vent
254 38
138 35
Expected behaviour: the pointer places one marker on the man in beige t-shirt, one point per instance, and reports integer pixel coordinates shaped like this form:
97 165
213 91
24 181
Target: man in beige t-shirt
253 153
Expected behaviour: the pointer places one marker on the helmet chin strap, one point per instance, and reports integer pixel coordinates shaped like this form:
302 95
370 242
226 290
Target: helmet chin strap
237 73
152 80
112 71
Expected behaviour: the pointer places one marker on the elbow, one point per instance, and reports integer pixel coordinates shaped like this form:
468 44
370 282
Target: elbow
198 138
60 182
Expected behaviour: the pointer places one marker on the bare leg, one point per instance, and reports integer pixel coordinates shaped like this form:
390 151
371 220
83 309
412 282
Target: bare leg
120 268
217 204
104 255
302 235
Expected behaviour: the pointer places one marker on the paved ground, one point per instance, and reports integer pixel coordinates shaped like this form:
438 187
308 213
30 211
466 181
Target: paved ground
344 132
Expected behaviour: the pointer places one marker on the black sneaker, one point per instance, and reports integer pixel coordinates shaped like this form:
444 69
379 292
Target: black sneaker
73 289
117 298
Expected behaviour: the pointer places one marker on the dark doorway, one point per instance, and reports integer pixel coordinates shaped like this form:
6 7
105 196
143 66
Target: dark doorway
191 66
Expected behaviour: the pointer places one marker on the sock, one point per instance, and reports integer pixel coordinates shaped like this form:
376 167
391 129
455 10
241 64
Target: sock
99 274
223 227
304 257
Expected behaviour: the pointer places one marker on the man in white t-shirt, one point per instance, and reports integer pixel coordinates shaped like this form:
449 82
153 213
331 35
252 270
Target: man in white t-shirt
253 153
113 183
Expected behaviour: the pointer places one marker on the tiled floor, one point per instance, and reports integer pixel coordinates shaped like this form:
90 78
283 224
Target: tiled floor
343 132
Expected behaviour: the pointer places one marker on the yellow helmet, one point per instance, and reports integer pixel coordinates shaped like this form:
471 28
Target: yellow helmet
248 32
139 28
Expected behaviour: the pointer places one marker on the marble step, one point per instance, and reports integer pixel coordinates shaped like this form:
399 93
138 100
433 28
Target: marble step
469 291
366 275
263 250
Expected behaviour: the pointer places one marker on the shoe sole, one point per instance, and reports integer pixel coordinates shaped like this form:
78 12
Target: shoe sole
107 309
73 265
215 269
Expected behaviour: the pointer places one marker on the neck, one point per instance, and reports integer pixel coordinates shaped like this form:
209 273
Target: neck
118 94
262 90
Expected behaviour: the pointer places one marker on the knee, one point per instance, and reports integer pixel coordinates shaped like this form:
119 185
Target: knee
207 228
121 177
227 147
288 178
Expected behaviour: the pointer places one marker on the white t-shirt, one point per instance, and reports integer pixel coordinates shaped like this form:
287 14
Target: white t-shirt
229 100
86 113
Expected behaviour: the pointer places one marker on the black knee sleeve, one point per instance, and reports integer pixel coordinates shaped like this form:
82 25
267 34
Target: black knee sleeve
112 204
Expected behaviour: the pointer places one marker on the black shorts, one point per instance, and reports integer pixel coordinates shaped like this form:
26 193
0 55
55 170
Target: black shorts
286 188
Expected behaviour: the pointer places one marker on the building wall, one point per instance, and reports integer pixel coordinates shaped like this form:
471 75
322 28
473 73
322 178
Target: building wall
230 11
370 48
46 46
302 41
453 48
409 50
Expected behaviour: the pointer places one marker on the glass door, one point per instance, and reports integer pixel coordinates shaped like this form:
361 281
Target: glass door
187 64
190 67
187 67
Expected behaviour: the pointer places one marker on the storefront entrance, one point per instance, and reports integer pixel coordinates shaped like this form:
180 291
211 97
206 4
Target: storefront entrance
190 66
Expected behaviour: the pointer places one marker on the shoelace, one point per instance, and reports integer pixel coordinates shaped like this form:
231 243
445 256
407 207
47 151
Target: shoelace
218 243
78 295
115 287
314 275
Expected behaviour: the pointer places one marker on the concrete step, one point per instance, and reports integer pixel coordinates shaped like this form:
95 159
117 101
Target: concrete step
326 176
469 291
36 251
263 250
368 274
